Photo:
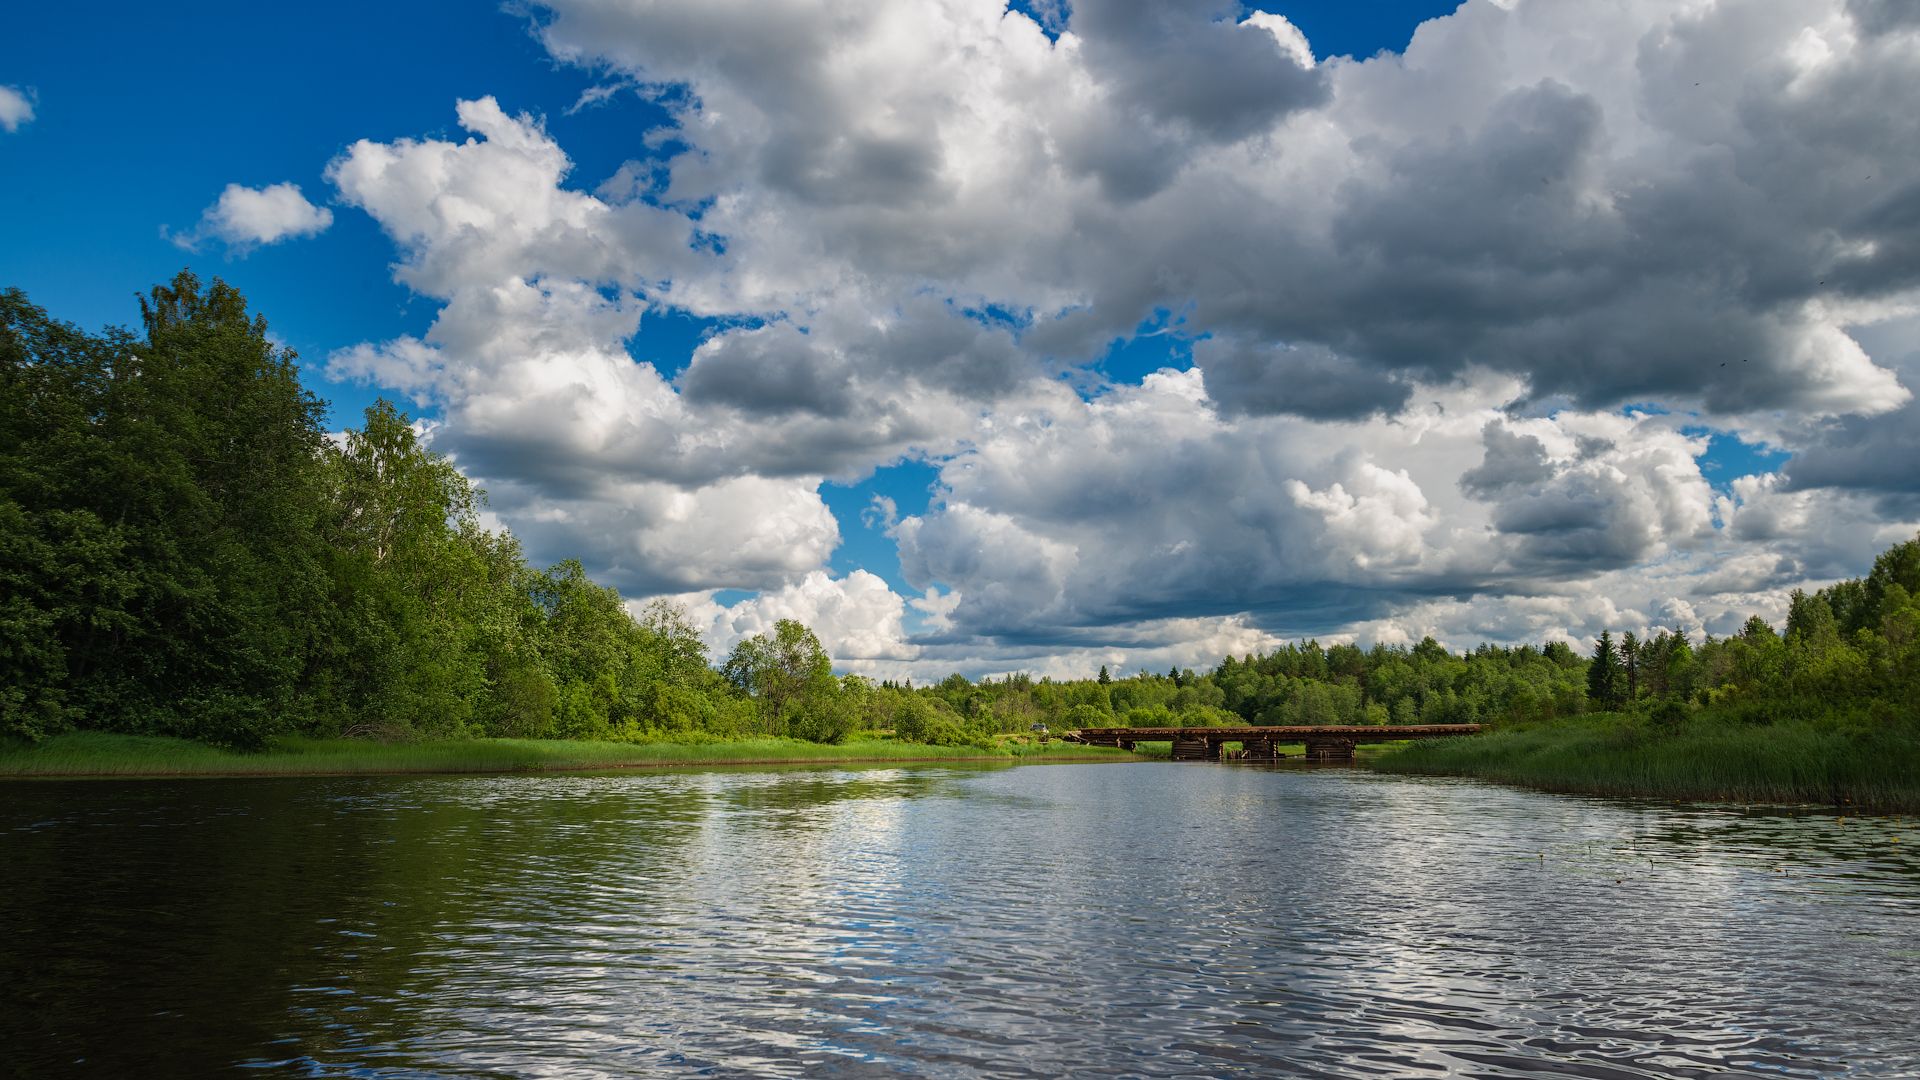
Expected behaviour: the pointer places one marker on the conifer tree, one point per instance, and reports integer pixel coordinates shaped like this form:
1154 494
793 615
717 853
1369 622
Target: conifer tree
1606 682
1630 665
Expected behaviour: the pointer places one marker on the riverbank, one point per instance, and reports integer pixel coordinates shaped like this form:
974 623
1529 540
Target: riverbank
95 754
1705 758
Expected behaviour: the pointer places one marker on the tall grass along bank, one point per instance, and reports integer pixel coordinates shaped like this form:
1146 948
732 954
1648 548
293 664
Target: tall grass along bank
1706 757
106 755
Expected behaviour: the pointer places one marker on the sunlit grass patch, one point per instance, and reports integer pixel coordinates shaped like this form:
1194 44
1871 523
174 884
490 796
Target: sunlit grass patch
99 754
1705 758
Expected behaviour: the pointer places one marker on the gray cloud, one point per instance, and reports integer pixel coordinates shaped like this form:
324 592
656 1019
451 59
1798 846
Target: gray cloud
1891 227
1884 16
1879 454
1190 62
1429 280
1173 75
1676 193
857 170
770 369
1583 523
1310 381
1513 460
930 342
1872 454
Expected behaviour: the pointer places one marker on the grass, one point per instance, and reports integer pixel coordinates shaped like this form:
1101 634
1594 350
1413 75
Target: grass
1706 758
103 755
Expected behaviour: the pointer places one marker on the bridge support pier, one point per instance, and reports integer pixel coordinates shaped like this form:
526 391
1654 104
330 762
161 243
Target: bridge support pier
1259 750
1261 743
1195 748
1329 748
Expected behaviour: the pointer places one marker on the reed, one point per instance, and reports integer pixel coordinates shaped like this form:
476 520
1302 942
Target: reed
105 755
1705 758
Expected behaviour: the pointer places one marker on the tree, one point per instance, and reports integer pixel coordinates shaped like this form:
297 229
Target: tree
1105 679
63 574
676 643
1898 565
162 539
790 679
1678 674
590 645
427 607
1630 665
1085 716
1810 623
1316 703
912 718
1606 682
1404 712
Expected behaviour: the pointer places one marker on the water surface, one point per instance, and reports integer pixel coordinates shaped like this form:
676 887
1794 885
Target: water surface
1136 920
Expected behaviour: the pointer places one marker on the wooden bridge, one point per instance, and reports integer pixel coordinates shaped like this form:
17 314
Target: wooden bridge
1261 743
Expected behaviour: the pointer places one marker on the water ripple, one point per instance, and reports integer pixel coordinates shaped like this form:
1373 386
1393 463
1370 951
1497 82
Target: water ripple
1144 920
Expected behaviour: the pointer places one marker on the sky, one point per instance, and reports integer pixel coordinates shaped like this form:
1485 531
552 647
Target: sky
1039 338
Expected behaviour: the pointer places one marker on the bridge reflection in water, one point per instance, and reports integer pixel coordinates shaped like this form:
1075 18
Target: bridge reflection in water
1262 743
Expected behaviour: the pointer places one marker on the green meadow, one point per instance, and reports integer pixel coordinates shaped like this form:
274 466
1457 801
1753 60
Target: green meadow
1707 757
100 754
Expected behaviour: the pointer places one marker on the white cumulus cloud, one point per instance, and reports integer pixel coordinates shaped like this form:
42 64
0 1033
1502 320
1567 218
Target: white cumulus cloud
1466 316
16 107
244 218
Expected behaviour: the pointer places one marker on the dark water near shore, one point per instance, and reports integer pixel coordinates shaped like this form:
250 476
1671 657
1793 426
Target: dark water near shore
1151 919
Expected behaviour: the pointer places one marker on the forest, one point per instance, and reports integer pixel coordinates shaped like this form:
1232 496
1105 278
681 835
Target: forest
185 550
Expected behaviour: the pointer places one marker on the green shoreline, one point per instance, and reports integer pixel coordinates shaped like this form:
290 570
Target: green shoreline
1703 759
94 755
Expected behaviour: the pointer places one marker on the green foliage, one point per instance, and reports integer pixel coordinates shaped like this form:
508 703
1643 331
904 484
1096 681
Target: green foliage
790 679
1706 755
1849 652
1821 713
183 551
161 501
1149 716
919 722
1085 716
1606 676
1668 715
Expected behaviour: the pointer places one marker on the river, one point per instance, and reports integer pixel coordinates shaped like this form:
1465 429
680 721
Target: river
1036 921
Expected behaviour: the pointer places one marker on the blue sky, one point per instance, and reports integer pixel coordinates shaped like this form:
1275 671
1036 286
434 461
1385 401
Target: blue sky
1423 383
173 105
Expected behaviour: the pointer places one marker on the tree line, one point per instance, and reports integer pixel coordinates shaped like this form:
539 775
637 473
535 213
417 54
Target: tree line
1303 683
184 550
1849 651
1848 654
